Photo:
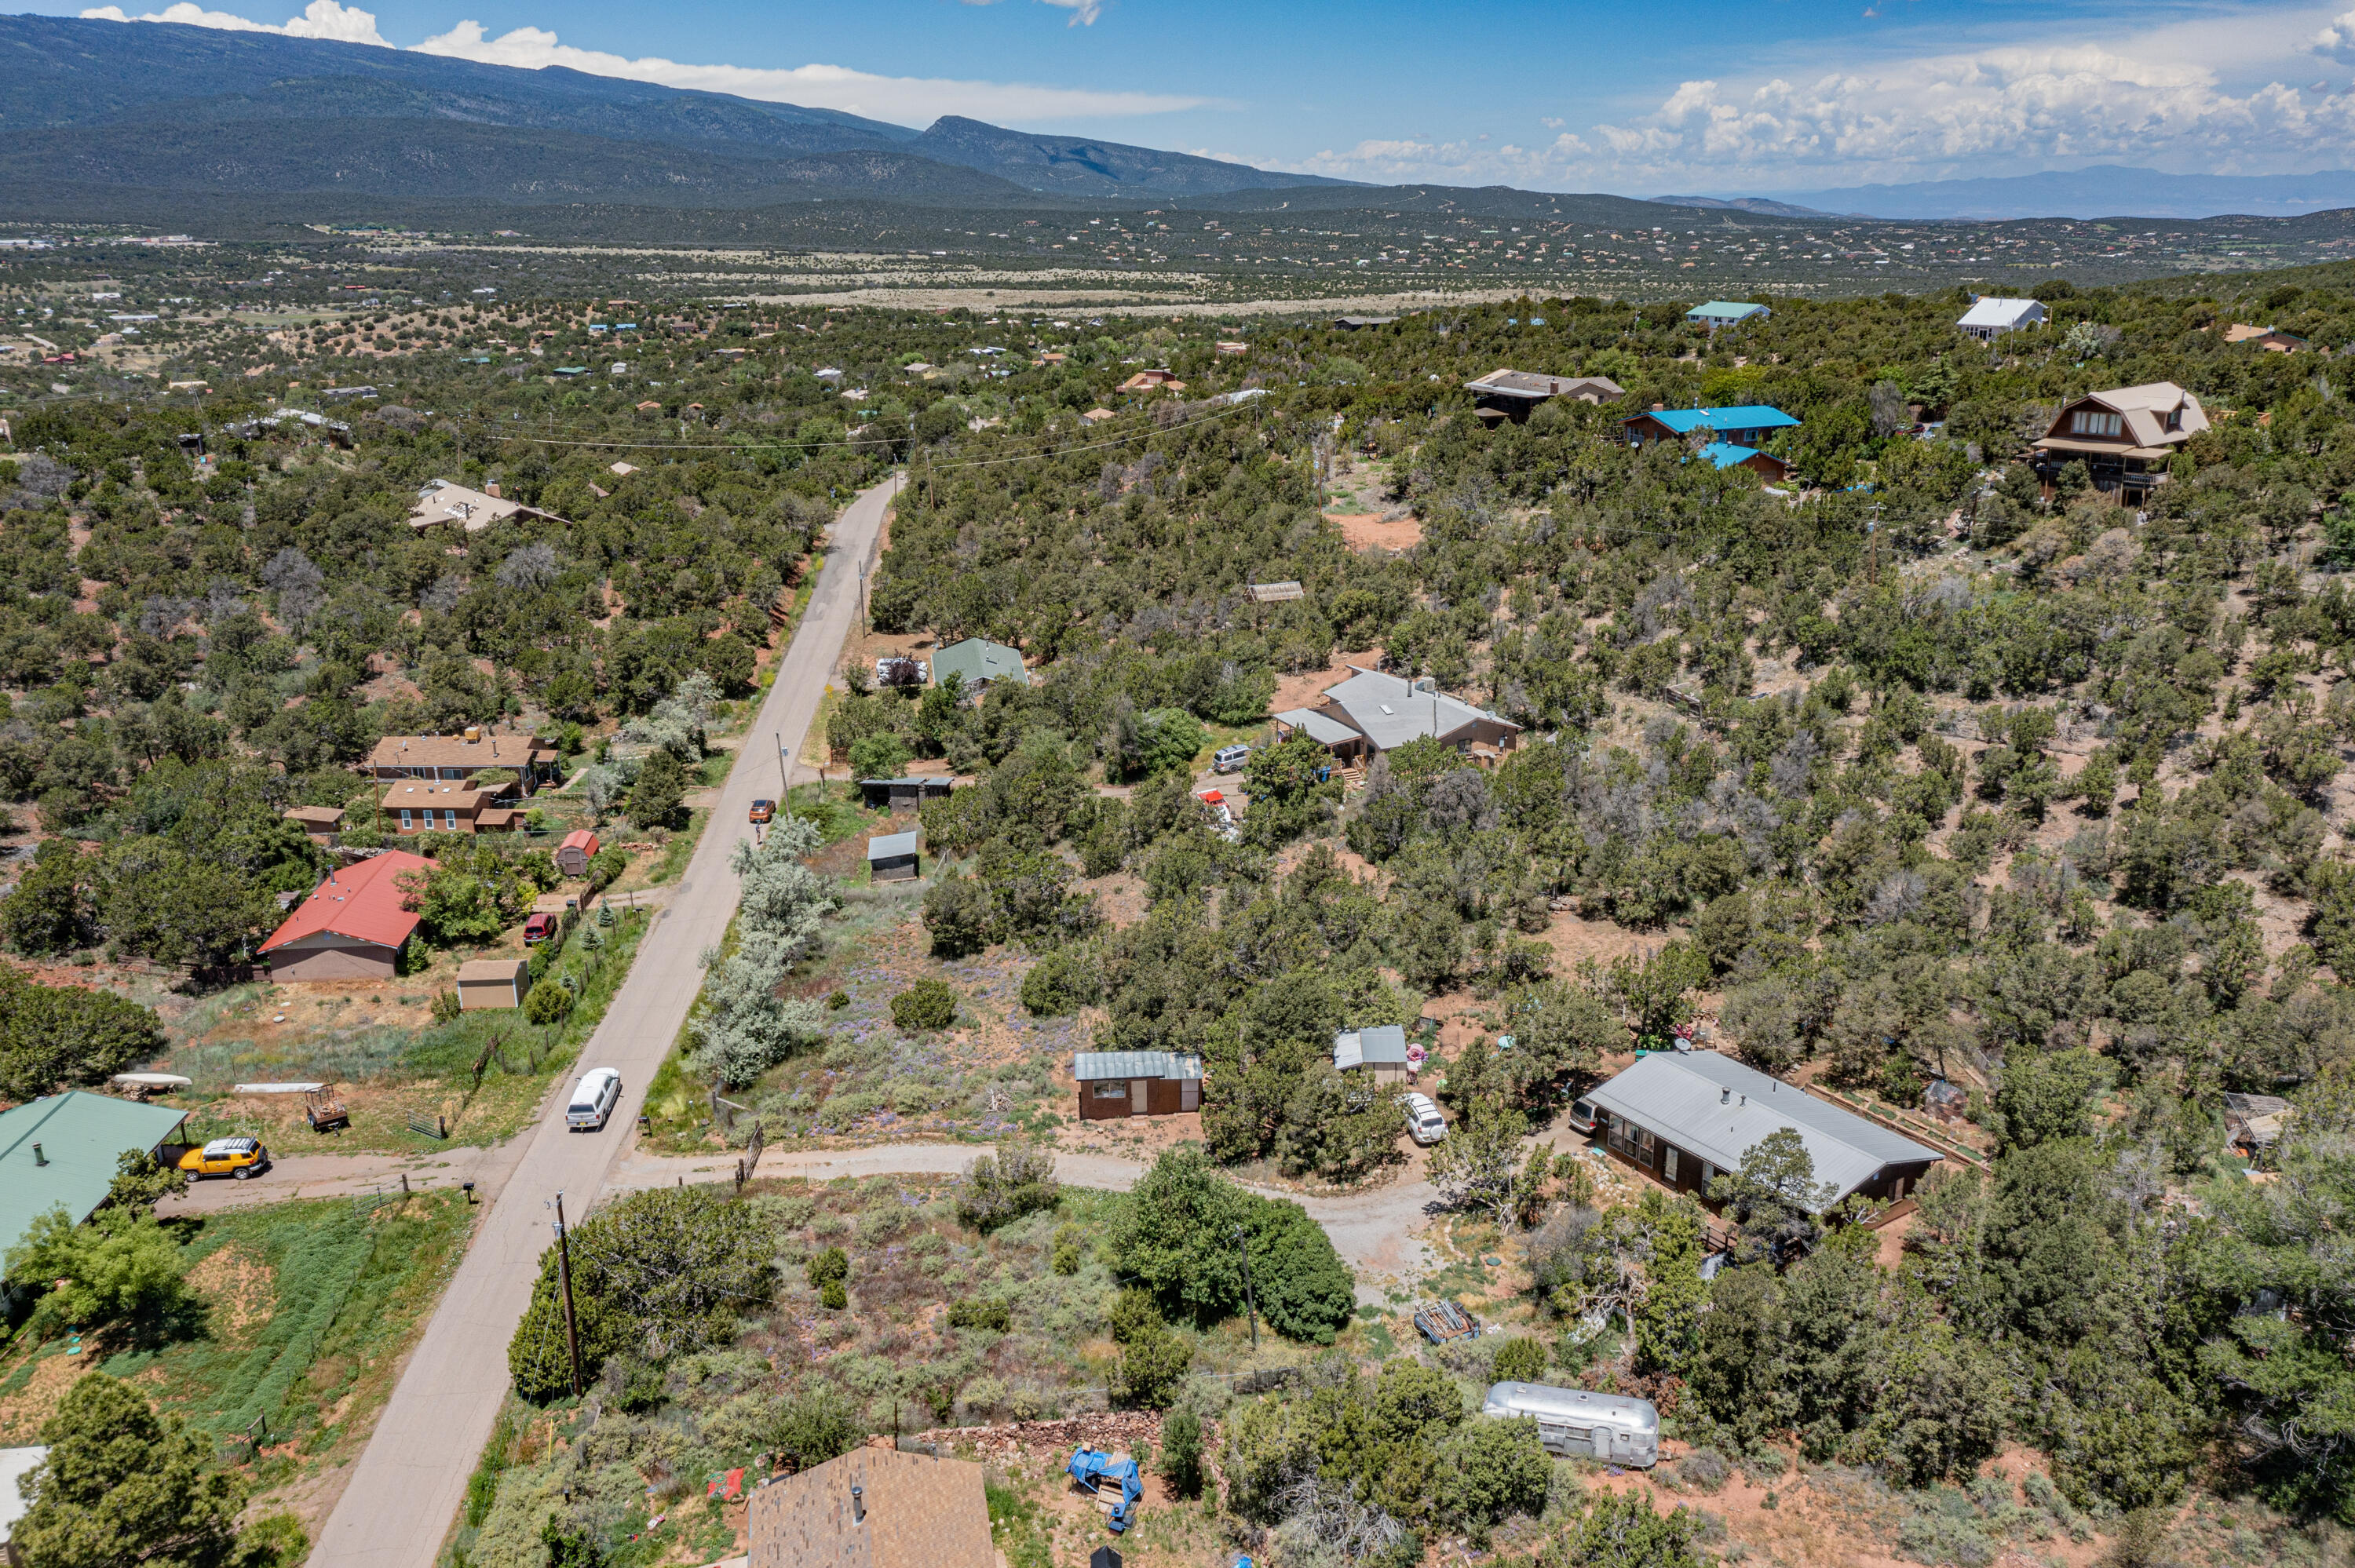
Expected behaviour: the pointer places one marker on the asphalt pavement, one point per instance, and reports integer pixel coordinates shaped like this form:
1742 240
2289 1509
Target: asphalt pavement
405 1489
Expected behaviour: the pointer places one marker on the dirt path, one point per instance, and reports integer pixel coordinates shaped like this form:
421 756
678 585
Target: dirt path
405 1488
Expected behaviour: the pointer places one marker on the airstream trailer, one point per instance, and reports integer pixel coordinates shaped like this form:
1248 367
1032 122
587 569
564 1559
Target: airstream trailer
1582 1425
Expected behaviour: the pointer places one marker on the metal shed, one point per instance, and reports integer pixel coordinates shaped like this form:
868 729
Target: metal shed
892 857
1137 1082
1380 1050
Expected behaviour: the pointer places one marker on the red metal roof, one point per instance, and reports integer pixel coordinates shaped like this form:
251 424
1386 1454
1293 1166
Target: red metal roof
579 838
361 902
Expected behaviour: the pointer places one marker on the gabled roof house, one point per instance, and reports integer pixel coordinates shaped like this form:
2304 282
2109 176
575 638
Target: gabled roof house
2125 438
1747 426
1718 314
1511 394
1990 317
351 927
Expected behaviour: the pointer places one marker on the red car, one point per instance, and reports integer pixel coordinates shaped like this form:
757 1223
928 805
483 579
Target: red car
538 929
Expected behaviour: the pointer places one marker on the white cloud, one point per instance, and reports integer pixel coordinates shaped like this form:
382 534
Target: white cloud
1083 12
2166 103
2337 39
320 19
908 99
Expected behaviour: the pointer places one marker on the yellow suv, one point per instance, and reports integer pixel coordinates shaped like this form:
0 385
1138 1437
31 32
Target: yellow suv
237 1157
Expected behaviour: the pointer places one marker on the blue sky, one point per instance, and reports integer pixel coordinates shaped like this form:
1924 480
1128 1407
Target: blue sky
1714 98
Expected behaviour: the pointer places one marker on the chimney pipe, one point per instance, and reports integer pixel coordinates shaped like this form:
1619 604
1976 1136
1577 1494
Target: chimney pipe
39 1158
858 1504
1725 1097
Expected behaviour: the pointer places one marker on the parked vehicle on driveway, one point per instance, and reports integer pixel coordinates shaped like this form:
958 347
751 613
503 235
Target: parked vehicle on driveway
1424 1123
594 1100
763 812
235 1157
1227 759
539 928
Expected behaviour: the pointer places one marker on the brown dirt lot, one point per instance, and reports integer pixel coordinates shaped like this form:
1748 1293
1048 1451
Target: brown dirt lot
1368 531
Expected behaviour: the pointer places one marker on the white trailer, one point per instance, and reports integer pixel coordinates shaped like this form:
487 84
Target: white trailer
1577 1424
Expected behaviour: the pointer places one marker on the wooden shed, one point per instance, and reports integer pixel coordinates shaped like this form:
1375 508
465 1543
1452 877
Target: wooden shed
492 982
319 823
573 856
1137 1082
902 794
892 857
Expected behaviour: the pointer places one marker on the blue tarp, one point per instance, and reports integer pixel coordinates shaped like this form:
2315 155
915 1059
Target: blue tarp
1092 1468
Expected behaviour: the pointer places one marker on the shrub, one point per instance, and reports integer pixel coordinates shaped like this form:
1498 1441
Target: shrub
971 1312
830 1266
1703 1469
1181 1452
1520 1361
548 1002
927 1004
833 1296
1066 1259
1153 1364
1018 1180
815 1425
1062 983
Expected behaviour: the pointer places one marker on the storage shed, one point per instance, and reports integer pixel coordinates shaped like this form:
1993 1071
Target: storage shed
892 857
573 856
319 823
1379 1051
1686 1119
902 794
1137 1082
492 982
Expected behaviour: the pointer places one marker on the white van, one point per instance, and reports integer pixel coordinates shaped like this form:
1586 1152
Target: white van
1578 1425
594 1100
1227 759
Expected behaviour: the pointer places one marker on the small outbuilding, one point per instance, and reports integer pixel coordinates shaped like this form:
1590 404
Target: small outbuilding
2254 1123
573 856
320 824
1114 1084
902 794
1379 1051
492 982
1765 465
892 857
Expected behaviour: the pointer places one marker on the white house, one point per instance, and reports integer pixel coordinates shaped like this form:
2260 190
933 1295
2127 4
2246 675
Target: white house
1989 318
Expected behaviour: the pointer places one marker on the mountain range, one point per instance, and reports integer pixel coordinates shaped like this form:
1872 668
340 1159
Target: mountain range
167 108
2104 191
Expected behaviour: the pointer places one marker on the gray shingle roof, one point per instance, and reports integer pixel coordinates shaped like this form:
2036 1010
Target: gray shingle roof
1718 1108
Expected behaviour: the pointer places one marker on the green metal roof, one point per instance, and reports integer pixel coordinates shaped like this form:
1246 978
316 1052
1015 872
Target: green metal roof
81 1135
978 659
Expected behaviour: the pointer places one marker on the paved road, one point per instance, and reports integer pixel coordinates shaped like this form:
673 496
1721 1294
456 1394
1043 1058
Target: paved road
406 1489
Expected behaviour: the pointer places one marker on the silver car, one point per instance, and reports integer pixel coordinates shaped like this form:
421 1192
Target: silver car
1424 1123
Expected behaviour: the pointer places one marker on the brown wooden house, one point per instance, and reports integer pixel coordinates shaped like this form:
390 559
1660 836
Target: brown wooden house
2126 437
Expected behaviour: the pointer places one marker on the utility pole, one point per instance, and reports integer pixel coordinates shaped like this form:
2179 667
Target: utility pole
1250 1297
1873 545
785 781
564 1275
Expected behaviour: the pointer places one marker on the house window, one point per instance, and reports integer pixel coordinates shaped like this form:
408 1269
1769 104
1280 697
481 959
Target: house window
1669 1162
2092 422
450 819
1116 1090
406 825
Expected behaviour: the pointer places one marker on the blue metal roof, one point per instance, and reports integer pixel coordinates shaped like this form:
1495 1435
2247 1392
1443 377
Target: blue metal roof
1725 454
1726 310
1684 422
